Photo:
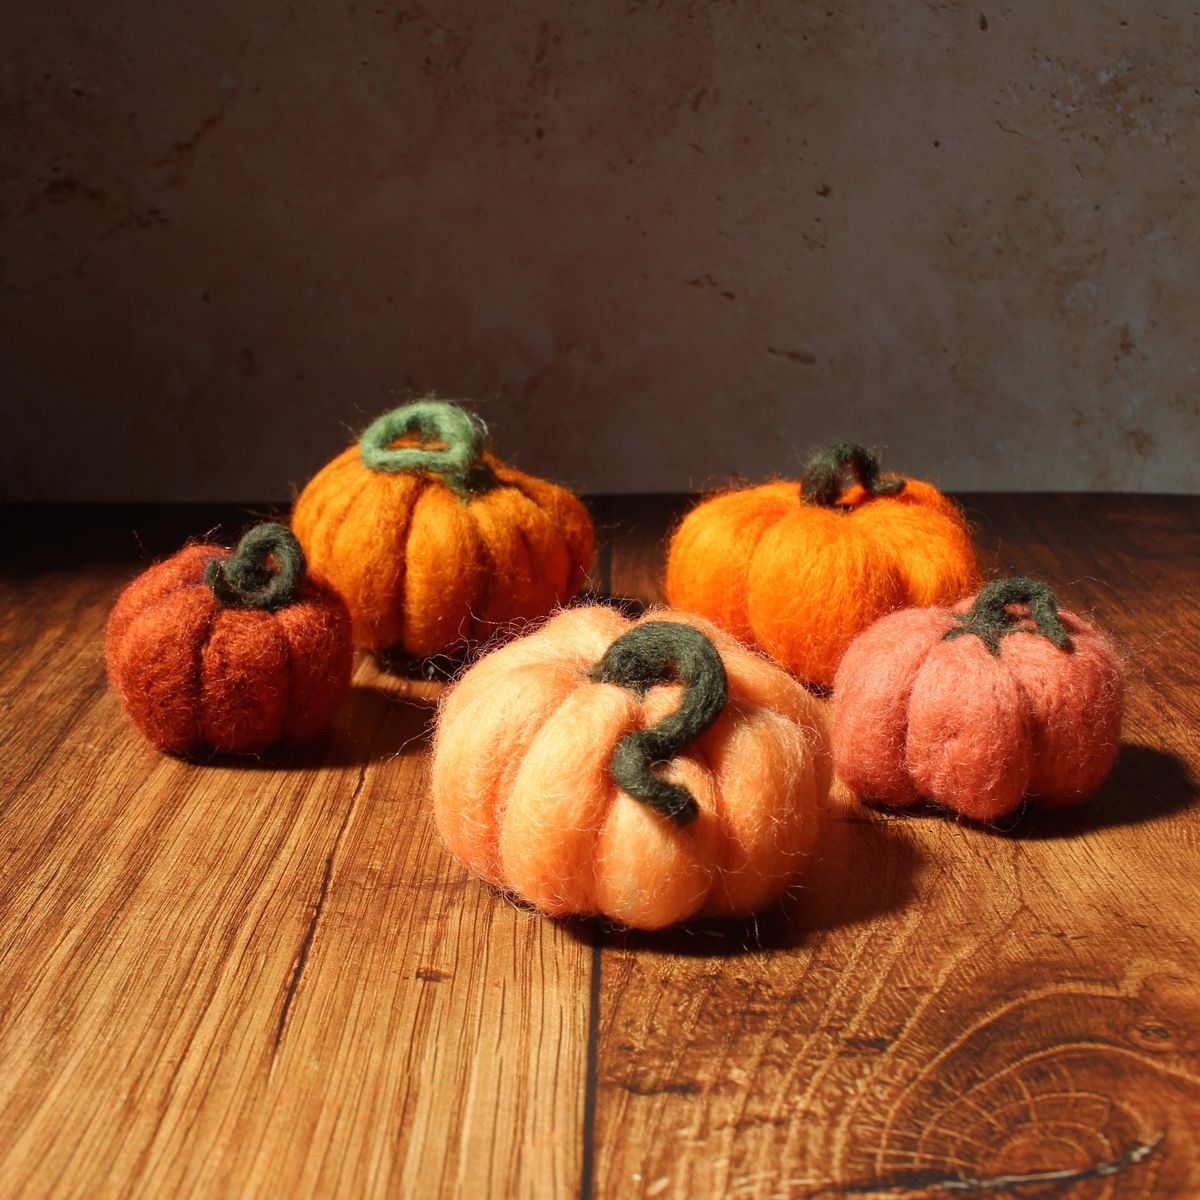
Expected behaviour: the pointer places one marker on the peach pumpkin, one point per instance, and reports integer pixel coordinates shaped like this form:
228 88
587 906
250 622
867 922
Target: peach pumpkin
649 771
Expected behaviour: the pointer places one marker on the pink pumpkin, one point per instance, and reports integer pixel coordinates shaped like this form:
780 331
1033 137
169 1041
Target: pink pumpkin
978 706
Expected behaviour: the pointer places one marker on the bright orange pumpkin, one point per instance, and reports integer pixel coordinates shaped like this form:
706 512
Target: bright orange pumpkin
434 543
800 568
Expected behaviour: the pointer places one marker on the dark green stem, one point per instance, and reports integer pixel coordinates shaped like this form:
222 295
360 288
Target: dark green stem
649 654
832 469
265 571
989 618
458 459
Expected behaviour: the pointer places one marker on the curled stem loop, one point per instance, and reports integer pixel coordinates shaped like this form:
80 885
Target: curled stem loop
989 618
657 652
832 469
265 571
452 443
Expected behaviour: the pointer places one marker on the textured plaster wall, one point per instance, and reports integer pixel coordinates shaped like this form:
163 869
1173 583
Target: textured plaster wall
662 243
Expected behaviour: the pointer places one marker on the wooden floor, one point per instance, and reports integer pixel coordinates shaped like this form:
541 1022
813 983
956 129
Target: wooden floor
267 979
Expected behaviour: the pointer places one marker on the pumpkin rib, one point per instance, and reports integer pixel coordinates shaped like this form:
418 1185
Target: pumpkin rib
543 543
1070 759
470 826
566 514
317 632
423 485
547 800
195 676
329 485
702 575
489 567
702 750
241 705
931 552
381 512
871 698
651 871
443 577
968 730
168 670
791 566
326 532
528 550
501 607
748 777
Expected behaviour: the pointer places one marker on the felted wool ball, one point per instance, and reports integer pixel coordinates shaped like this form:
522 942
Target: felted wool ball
232 652
649 771
799 569
1003 696
433 542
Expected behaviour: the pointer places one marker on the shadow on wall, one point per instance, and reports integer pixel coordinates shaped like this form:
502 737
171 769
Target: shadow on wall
660 248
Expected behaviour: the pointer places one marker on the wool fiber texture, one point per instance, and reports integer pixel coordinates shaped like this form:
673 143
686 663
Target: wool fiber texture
441 552
923 709
524 794
197 675
800 578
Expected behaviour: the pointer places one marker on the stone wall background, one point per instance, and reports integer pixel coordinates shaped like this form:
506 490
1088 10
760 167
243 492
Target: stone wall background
660 243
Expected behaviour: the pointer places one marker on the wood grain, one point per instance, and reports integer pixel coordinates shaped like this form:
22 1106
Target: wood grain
263 979
942 1008
268 979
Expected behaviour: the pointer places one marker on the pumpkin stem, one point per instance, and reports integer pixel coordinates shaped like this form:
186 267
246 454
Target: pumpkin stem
663 652
246 579
989 618
458 460
832 469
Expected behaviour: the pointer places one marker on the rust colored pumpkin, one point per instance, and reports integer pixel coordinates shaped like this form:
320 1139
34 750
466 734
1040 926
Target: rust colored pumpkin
434 543
976 707
231 652
649 771
799 569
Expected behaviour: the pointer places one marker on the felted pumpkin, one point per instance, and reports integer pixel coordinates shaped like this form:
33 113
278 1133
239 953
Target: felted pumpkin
649 771
433 542
232 652
799 569
975 707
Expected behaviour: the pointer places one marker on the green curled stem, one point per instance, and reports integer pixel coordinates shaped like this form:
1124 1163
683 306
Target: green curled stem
832 469
658 652
989 619
265 571
453 444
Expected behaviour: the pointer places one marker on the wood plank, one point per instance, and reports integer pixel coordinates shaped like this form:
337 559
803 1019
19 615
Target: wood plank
256 979
941 1008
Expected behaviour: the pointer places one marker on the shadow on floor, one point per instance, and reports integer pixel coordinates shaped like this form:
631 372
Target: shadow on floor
861 870
1145 784
372 725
